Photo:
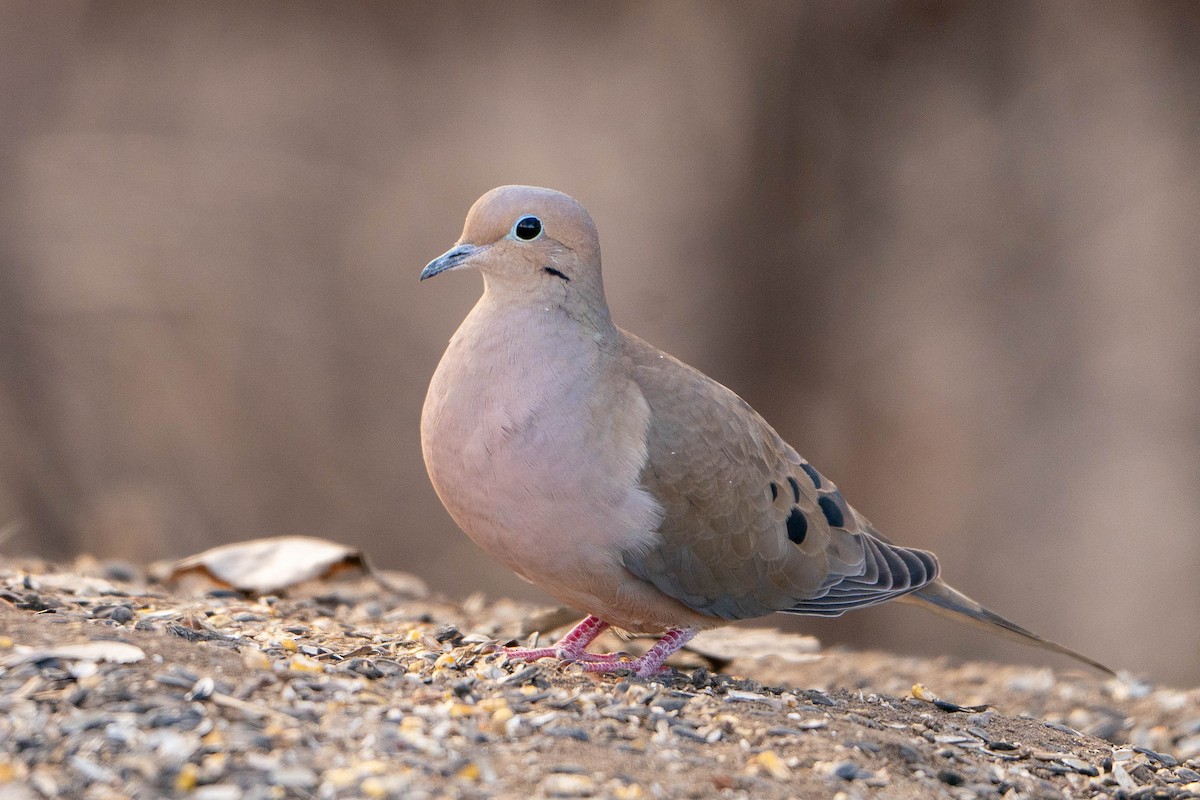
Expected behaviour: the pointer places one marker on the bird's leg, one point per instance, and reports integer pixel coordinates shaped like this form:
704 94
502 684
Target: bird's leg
652 661
569 648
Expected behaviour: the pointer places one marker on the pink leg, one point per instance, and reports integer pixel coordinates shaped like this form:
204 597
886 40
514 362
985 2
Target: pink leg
570 648
652 661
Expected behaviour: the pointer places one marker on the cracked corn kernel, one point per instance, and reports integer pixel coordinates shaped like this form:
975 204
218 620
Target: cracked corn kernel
499 722
373 787
340 777
256 659
302 663
770 761
921 692
185 781
492 704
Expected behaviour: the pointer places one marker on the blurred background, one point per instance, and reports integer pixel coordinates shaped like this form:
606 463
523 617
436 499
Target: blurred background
949 249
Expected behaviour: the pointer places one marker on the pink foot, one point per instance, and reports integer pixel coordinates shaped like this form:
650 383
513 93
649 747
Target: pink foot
521 654
518 654
570 648
573 646
651 663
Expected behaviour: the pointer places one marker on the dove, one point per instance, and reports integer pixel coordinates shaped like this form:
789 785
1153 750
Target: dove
623 482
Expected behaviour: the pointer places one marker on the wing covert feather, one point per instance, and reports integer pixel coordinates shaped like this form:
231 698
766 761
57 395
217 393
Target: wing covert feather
731 544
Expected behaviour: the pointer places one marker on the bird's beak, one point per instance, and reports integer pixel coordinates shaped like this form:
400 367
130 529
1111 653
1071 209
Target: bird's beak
454 257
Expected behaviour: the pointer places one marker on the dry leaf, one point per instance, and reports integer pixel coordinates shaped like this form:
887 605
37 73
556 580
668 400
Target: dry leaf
268 566
76 584
114 652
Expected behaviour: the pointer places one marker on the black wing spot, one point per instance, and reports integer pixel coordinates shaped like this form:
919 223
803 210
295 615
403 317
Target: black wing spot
797 526
774 491
832 512
812 473
795 484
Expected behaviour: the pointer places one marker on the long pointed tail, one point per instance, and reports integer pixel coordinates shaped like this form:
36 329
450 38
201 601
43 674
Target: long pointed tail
948 601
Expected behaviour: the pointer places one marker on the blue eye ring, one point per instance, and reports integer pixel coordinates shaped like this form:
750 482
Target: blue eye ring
527 228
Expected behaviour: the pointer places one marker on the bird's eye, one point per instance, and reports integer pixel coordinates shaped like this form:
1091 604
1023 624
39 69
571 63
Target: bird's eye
528 228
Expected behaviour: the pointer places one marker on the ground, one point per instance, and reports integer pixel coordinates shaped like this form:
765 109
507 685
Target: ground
345 689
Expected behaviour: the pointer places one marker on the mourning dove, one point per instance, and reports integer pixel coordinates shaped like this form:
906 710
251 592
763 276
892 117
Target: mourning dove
622 481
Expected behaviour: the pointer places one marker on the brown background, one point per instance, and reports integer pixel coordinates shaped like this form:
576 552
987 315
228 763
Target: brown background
949 249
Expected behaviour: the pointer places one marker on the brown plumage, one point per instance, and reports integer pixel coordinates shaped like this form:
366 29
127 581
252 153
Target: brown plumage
622 481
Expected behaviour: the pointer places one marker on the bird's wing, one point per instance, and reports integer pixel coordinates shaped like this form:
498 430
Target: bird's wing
749 527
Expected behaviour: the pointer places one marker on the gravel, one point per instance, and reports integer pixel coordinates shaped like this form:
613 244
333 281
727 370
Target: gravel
340 690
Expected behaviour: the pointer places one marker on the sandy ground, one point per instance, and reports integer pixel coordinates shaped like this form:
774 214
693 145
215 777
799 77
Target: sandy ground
347 690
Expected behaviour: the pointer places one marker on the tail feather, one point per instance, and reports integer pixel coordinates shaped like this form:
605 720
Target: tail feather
944 599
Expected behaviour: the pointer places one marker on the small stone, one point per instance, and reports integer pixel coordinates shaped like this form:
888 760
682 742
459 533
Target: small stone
448 633
1162 758
950 777
670 704
568 732
1081 766
294 776
1122 777
119 571
564 785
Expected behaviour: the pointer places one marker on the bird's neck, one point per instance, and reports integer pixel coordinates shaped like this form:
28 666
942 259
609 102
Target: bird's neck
575 310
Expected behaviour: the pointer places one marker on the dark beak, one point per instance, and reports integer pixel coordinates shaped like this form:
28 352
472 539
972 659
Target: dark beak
451 259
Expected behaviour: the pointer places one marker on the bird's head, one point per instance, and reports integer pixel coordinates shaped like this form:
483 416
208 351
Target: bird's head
531 244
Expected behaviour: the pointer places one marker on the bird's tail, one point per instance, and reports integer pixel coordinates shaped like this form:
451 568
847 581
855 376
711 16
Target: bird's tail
944 599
